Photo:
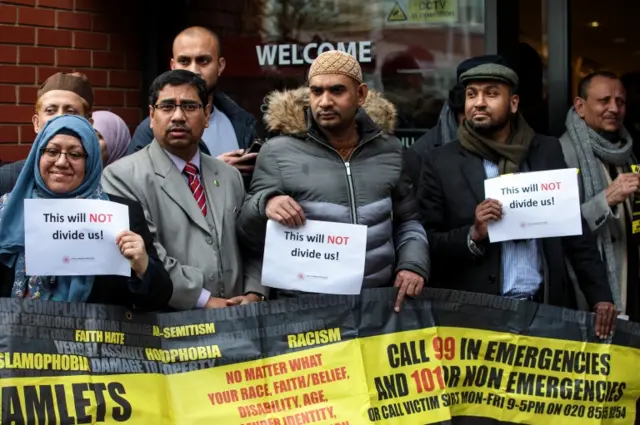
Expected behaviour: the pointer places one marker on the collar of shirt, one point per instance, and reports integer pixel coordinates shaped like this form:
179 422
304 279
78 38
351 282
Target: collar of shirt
181 163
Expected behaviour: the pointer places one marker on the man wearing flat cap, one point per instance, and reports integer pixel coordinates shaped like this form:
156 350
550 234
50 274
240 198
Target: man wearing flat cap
493 140
60 94
336 161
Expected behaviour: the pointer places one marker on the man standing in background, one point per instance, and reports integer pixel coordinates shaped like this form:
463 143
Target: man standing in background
231 129
445 131
597 143
60 94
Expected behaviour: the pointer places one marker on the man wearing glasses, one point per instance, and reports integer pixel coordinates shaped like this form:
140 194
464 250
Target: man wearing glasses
190 200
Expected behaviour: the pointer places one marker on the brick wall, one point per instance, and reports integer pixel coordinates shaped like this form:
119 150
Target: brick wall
40 37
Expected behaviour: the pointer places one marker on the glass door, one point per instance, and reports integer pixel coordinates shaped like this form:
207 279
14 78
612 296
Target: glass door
607 38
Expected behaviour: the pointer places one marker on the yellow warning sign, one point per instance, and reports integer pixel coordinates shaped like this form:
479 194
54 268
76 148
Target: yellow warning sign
397 14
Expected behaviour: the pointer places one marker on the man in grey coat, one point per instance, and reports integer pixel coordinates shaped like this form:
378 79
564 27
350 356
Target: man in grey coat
189 199
597 143
336 161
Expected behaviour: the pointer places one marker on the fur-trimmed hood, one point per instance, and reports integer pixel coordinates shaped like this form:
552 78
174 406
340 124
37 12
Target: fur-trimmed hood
286 111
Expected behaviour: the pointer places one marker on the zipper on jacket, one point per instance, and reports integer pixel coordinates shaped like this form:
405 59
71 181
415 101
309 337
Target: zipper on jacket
352 195
347 166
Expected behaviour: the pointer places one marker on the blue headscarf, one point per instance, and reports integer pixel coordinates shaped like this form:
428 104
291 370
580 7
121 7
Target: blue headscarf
30 184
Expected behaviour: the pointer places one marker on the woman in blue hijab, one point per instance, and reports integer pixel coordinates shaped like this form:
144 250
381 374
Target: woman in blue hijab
65 162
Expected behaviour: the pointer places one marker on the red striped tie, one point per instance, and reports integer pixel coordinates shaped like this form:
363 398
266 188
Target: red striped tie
195 186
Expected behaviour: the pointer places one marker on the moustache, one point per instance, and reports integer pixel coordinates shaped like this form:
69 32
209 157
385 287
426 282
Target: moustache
184 128
328 112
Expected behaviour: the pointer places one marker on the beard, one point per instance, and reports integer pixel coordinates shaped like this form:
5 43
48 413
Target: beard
490 127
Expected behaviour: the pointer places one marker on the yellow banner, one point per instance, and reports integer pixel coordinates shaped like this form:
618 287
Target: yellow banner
317 360
424 376
430 375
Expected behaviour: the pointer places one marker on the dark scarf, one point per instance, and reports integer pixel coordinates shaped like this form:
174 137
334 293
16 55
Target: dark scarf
508 155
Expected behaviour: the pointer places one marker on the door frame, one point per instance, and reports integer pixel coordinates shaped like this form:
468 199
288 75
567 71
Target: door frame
501 36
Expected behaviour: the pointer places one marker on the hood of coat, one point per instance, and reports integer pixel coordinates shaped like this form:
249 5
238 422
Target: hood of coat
286 111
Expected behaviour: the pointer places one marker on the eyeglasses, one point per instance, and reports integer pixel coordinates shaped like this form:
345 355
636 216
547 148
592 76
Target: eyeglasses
187 108
53 154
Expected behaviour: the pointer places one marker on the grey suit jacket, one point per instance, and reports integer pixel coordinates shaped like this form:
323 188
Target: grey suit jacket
195 254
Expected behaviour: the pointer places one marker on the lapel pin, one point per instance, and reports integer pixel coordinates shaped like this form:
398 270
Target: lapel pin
216 182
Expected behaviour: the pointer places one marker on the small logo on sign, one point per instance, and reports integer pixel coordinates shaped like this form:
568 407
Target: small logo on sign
66 259
523 224
301 276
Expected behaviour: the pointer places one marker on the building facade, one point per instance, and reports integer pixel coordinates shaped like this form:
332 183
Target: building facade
41 37
409 50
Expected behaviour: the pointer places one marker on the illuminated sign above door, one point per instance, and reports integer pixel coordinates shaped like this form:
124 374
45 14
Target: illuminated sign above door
295 54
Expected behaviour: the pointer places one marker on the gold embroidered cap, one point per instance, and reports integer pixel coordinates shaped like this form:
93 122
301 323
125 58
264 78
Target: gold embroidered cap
336 62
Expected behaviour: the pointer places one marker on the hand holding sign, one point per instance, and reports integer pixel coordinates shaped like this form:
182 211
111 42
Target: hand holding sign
488 210
284 210
133 249
622 187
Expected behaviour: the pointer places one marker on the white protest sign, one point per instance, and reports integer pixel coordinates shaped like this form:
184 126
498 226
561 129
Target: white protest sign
540 204
74 237
321 256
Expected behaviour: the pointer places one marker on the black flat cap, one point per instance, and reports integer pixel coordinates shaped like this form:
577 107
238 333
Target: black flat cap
491 72
480 60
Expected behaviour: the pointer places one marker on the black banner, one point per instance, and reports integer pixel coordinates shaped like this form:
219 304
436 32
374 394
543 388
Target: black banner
448 357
